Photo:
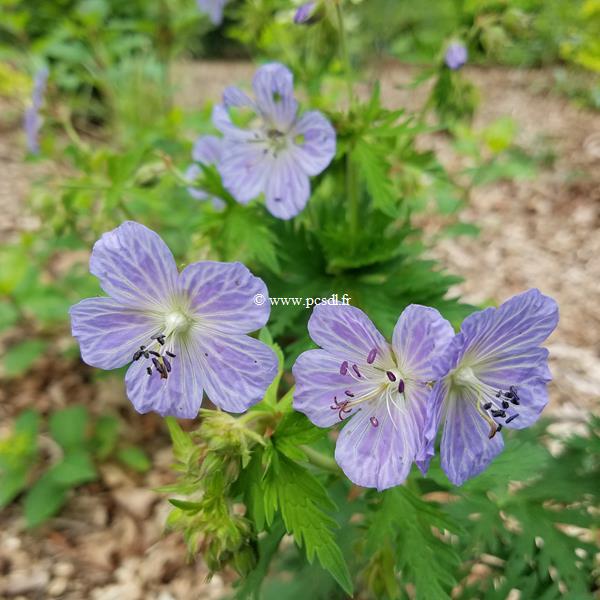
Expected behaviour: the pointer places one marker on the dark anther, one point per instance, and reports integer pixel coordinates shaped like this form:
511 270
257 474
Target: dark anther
149 370
160 338
498 393
499 428
167 364
487 406
505 404
390 376
137 355
142 347
344 368
515 397
349 393
498 413
372 355
374 421
508 395
355 369
154 353
401 386
156 364
172 355
512 418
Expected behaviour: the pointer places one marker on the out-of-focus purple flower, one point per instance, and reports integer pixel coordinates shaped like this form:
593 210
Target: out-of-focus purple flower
456 56
213 8
279 149
184 333
382 389
493 374
305 13
31 120
207 151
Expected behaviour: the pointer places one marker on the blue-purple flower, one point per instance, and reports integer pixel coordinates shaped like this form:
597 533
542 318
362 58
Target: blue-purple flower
304 13
456 56
207 151
31 120
183 333
493 374
382 389
213 8
279 150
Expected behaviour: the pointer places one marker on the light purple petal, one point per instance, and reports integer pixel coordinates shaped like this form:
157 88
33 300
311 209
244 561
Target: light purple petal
244 169
233 96
456 56
222 121
274 89
418 335
315 140
108 333
377 456
347 332
180 395
237 369
519 324
207 150
213 8
287 188
304 13
223 295
135 267
466 449
318 385
191 174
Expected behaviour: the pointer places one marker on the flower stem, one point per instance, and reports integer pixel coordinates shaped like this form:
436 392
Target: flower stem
351 178
322 461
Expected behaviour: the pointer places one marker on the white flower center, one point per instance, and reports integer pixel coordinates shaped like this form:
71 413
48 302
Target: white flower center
176 323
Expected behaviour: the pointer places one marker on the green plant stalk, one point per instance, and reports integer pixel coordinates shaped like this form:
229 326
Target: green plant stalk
322 461
351 178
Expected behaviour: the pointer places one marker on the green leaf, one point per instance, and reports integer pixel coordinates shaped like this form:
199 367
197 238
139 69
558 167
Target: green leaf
75 469
134 458
106 433
44 500
20 357
69 427
12 483
302 500
8 315
375 169
294 430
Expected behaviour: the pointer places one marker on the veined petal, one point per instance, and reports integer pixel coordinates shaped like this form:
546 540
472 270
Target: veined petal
233 96
222 295
180 395
314 142
419 334
191 174
274 89
319 385
207 150
432 419
237 370
222 121
135 267
466 449
109 333
522 322
378 456
287 188
244 169
347 332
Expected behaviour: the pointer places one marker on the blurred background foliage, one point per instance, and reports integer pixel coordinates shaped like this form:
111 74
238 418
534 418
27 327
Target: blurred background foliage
119 146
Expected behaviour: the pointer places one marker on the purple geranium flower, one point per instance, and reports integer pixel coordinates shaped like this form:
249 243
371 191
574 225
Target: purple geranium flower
493 374
32 121
279 150
382 389
184 333
207 151
305 13
213 8
456 56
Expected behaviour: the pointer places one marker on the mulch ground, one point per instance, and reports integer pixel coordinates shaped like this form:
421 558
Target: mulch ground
109 543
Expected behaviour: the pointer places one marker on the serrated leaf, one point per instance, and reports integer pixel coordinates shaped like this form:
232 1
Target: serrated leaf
43 500
75 469
69 427
19 358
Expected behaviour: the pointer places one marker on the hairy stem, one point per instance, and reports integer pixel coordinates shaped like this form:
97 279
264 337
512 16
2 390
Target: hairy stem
320 460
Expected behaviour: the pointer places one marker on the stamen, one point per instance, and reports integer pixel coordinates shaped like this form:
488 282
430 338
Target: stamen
170 354
401 386
511 418
137 355
372 355
154 353
355 369
505 404
498 413
349 393
167 364
487 406
344 368
374 421
493 430
390 376
149 370
499 428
